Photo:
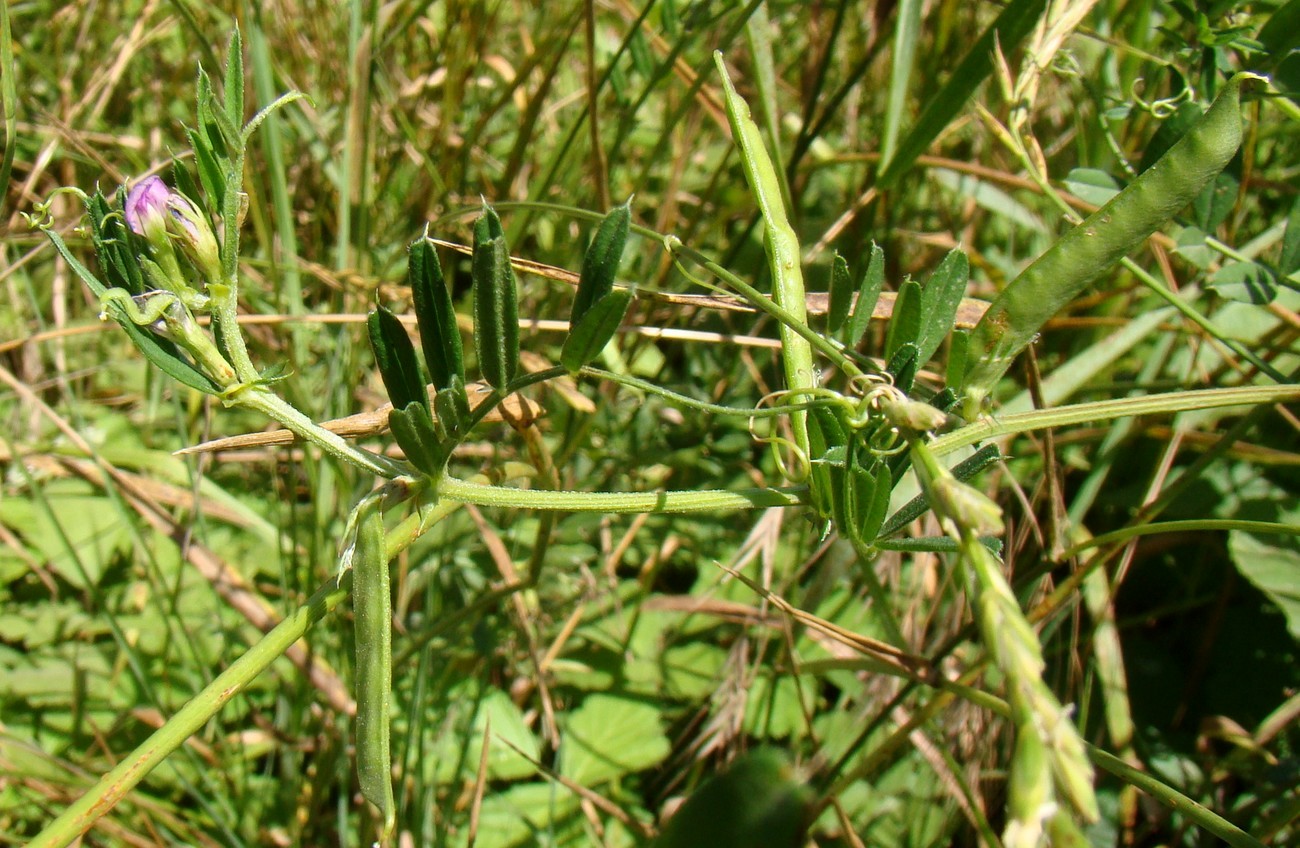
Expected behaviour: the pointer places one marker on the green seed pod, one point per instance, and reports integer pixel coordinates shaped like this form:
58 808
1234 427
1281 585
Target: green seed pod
372 606
1105 237
439 335
496 303
970 508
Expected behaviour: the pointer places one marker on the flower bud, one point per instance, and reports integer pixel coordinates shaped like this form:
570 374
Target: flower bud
146 207
164 216
194 232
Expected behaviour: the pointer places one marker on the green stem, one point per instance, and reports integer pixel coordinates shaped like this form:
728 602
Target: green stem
708 500
1166 403
1173 799
1198 319
277 408
1189 526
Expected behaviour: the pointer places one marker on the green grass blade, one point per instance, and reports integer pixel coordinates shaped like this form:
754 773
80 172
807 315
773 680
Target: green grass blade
1015 22
907 30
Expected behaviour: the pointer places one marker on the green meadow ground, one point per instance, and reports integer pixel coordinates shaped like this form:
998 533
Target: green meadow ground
579 708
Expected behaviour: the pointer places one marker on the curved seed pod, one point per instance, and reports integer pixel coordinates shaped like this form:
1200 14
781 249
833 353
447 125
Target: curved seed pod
439 335
600 263
496 303
1105 237
395 356
782 244
372 606
590 333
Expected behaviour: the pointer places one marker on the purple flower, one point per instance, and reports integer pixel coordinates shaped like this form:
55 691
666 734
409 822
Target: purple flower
164 216
146 204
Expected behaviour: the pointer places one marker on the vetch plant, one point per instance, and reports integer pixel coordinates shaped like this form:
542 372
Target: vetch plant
848 429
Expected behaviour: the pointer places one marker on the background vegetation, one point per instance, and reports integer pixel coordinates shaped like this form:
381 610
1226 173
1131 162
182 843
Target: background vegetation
129 577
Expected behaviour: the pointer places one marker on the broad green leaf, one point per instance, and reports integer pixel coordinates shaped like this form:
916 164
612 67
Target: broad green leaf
840 291
1093 185
435 315
608 737
868 293
414 433
496 303
756 803
1216 201
588 337
1191 246
234 87
515 816
1247 282
600 264
777 706
1273 569
513 750
940 298
905 323
78 537
395 357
